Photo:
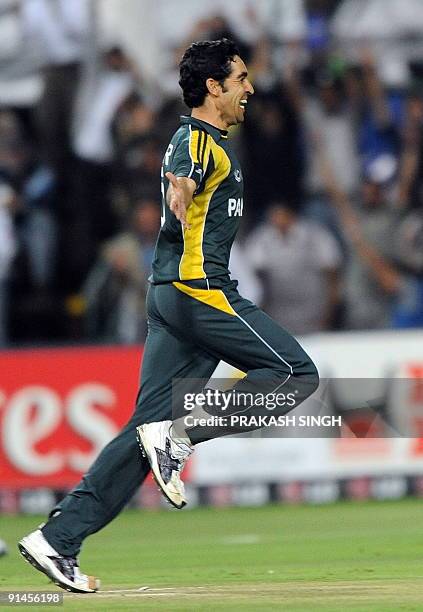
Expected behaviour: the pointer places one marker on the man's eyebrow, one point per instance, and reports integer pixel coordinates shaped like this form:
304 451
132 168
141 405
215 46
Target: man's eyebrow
242 75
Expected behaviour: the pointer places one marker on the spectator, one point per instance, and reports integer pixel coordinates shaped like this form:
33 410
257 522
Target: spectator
274 164
33 276
372 280
90 218
7 252
138 150
76 182
389 26
21 85
410 187
318 28
165 26
283 21
38 227
101 94
299 262
328 116
116 287
380 114
408 310
56 33
249 285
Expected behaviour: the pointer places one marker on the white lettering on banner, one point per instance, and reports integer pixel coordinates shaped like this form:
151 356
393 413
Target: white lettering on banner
88 422
235 207
33 413
21 433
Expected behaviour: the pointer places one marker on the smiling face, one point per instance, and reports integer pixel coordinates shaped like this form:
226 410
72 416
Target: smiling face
232 97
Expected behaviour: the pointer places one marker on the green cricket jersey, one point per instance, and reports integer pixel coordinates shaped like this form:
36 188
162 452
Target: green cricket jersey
201 152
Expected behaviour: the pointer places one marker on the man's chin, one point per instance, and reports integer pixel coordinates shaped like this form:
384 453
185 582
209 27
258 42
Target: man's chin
238 118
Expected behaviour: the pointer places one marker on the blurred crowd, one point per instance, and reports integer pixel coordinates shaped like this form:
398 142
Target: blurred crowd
332 153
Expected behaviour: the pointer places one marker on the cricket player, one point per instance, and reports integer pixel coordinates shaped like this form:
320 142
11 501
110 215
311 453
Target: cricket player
195 319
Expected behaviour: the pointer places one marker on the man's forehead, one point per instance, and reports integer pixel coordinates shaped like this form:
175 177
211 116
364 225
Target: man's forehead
238 65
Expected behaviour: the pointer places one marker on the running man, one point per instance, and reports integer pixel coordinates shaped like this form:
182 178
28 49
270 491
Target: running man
195 316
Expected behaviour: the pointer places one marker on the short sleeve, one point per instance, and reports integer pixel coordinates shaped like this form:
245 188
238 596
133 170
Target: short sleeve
191 156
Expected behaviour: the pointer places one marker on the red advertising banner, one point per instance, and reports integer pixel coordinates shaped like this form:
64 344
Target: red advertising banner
59 408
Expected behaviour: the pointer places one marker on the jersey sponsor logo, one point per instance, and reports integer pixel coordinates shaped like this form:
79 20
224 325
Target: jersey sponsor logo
235 207
238 175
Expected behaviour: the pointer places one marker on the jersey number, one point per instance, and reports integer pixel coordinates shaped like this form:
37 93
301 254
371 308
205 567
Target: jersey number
165 163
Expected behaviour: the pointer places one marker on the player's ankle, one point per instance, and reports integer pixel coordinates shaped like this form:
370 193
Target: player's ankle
180 438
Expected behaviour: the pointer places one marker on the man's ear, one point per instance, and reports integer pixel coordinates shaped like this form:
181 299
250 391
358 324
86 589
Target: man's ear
213 87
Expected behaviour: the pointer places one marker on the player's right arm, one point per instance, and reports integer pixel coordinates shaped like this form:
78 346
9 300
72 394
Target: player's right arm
179 196
185 165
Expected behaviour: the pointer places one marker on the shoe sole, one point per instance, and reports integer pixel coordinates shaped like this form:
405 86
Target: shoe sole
153 464
31 558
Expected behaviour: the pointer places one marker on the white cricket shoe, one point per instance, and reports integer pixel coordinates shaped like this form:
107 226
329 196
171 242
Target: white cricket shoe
3 548
63 571
167 459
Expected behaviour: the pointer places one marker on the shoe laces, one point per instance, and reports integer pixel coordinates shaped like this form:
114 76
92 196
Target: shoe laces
185 452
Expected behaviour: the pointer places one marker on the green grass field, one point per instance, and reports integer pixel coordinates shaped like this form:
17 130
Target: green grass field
346 556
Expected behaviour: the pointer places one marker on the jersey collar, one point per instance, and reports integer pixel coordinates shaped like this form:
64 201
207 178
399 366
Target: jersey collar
215 132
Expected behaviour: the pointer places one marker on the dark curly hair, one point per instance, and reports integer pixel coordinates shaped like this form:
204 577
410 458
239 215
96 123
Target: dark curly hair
202 61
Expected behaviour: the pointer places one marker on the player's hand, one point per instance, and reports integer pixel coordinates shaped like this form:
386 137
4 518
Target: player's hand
177 200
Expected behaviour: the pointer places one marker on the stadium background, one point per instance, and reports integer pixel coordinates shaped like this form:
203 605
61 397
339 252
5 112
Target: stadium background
331 244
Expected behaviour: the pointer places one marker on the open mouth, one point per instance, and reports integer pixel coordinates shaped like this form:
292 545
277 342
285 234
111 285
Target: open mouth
243 104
